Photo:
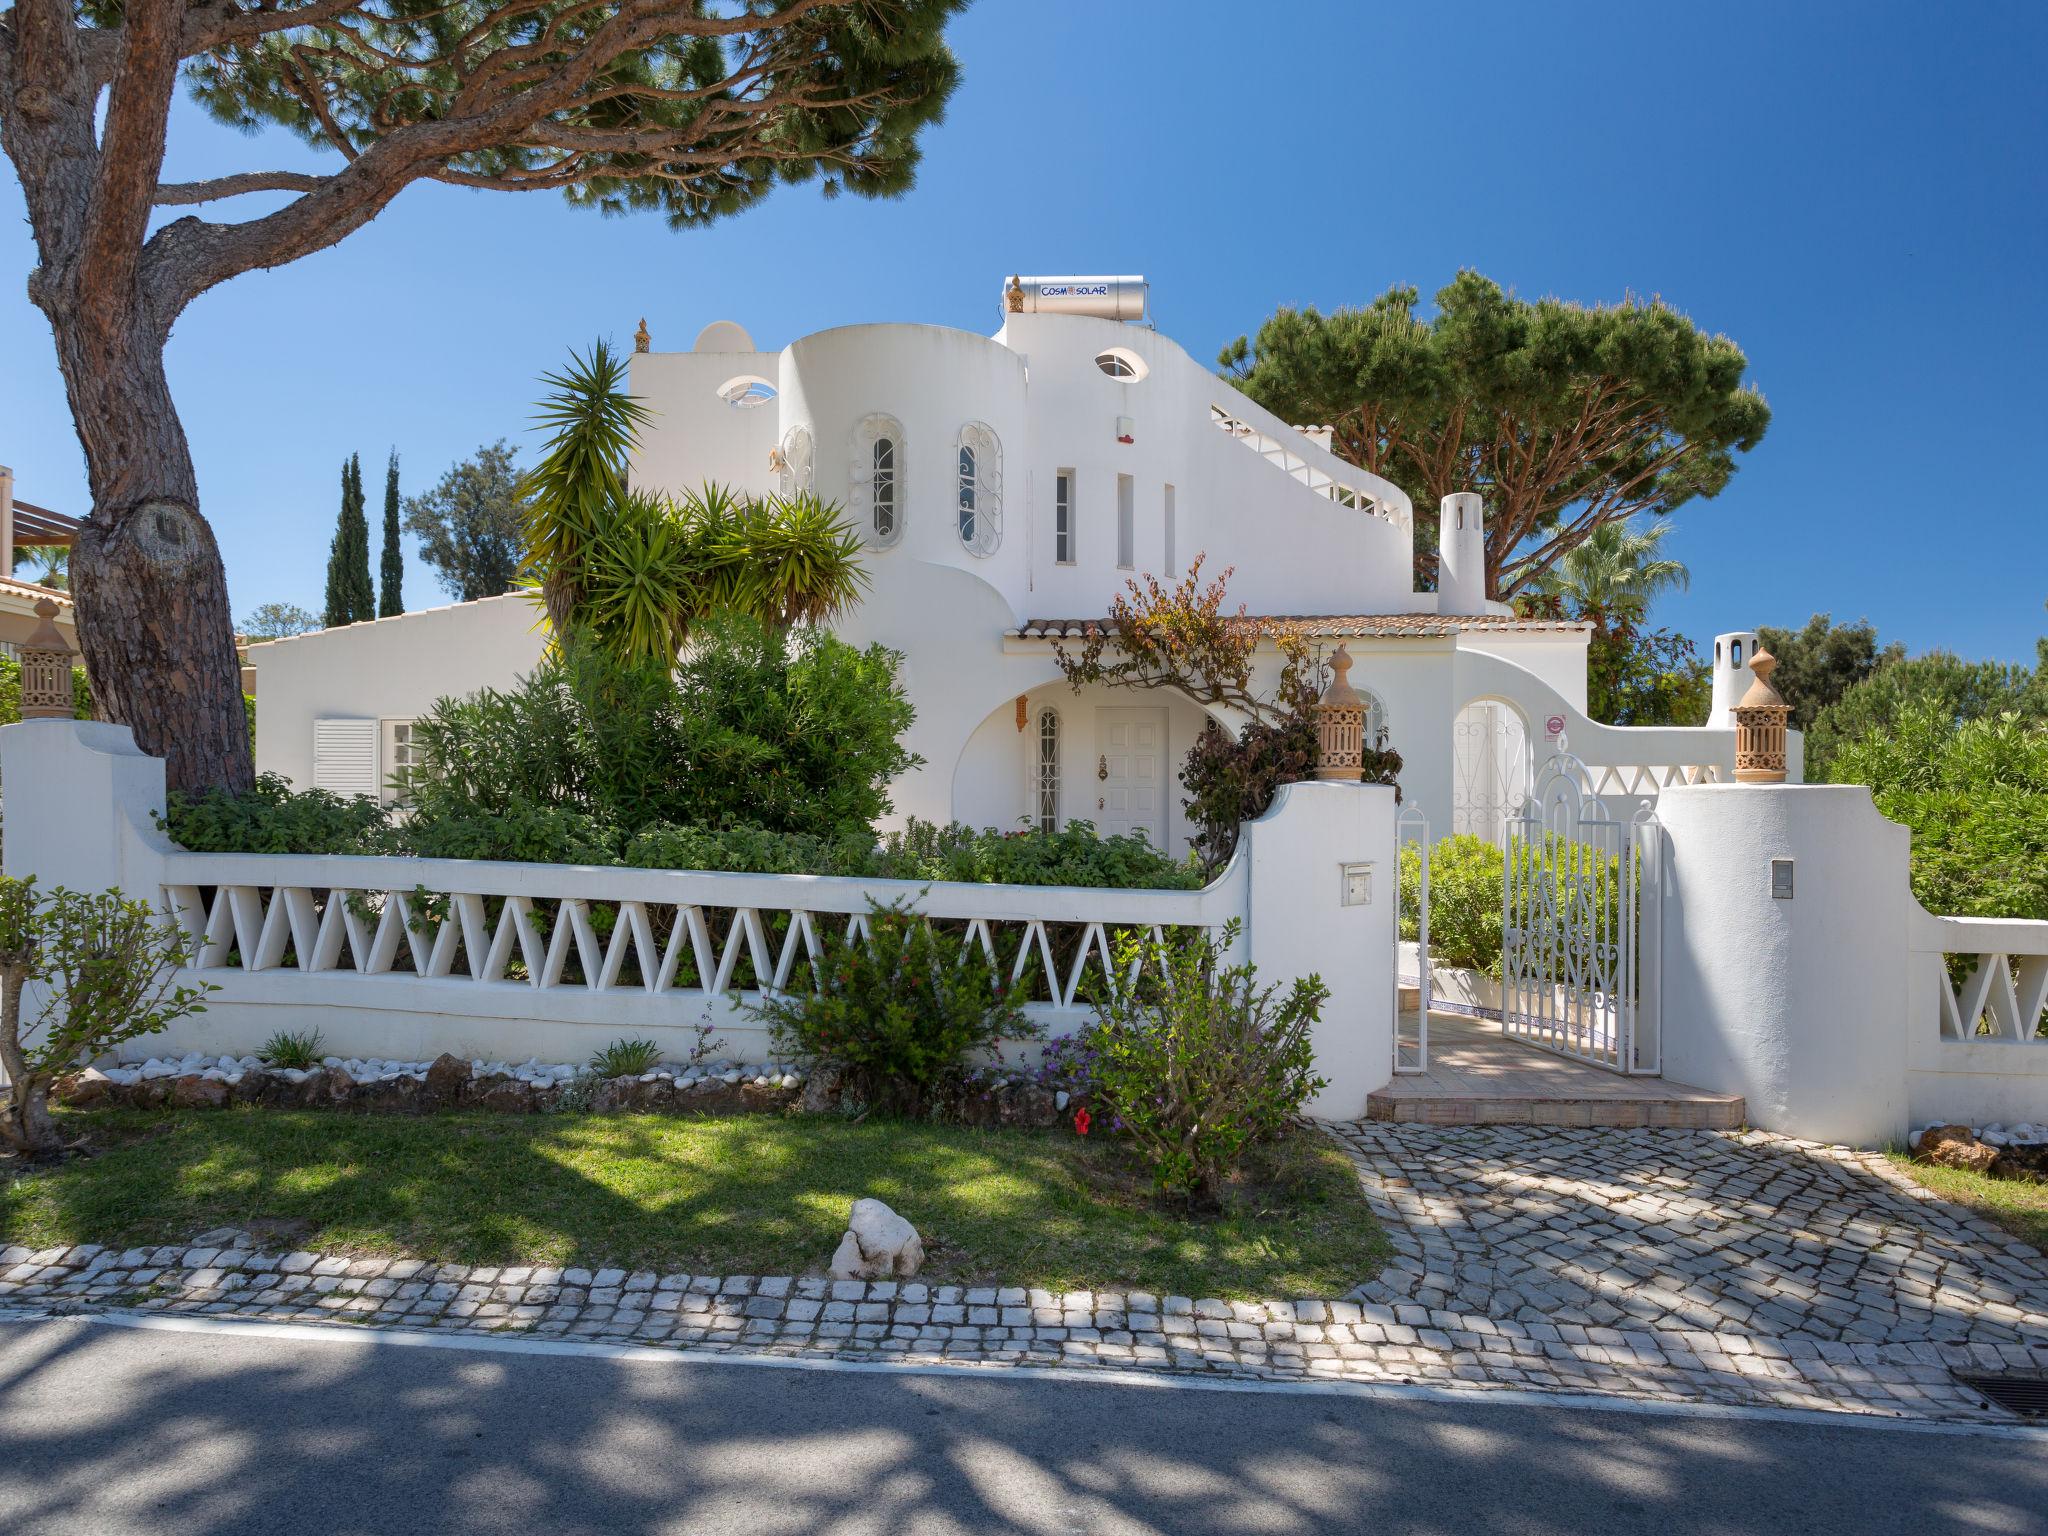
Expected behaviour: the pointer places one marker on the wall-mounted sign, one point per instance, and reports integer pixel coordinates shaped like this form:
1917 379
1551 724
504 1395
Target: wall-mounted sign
1781 879
1553 727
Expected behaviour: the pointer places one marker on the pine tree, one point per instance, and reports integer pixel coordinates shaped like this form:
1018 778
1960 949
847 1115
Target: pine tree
391 595
350 596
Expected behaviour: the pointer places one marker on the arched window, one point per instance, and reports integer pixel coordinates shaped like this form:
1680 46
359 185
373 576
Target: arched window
981 488
1376 736
793 468
1122 363
877 474
1047 781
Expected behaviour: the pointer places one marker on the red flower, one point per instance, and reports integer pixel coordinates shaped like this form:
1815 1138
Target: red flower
1082 1120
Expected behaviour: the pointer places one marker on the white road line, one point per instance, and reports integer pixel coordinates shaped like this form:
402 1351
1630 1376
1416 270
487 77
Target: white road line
1510 1397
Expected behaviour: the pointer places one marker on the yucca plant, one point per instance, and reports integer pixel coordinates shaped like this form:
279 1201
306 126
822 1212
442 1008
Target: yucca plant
638 570
581 477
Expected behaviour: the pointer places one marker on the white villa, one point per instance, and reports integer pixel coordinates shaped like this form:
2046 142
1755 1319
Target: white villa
1008 486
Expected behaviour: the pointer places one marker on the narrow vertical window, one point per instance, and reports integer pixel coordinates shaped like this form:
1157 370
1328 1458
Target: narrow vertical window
1126 517
884 490
876 477
1048 771
1063 517
981 489
966 495
1172 564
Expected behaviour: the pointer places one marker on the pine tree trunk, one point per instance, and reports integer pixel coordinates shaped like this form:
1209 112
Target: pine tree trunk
152 597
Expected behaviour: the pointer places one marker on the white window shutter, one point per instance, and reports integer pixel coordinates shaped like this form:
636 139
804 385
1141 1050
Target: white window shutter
345 757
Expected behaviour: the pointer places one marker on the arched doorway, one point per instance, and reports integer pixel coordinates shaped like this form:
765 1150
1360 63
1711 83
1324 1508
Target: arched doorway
1489 768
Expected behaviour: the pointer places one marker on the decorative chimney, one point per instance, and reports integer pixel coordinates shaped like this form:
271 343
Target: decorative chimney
641 340
1760 727
1461 554
1732 652
1340 725
45 669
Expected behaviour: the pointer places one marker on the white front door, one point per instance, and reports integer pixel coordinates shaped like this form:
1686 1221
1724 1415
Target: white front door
1130 773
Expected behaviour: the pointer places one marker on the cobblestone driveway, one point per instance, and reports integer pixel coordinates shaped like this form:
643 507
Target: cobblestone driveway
1677 1230
1688 1265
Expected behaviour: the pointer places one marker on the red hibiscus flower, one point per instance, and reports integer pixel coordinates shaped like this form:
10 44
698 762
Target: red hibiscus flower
1082 1120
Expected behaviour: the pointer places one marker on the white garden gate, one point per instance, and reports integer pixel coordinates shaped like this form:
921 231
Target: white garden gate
1411 1047
1581 905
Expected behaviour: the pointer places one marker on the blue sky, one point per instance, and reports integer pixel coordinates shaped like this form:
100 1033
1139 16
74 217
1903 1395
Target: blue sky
1854 192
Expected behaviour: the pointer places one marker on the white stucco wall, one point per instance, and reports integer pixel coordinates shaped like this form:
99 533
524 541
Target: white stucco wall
1824 1011
388 669
1299 925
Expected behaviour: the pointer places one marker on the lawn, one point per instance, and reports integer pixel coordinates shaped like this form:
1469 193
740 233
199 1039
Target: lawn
750 1194
2017 1205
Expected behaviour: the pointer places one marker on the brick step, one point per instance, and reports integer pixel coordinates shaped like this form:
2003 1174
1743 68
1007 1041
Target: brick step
1696 1110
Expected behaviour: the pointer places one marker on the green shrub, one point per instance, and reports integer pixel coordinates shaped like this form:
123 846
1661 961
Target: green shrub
788 731
922 851
901 1011
525 834
292 1049
750 850
626 1058
1202 1064
1464 901
1074 855
273 817
108 970
1975 795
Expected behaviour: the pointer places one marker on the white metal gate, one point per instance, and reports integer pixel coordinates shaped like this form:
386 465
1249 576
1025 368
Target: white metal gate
1411 1046
1581 889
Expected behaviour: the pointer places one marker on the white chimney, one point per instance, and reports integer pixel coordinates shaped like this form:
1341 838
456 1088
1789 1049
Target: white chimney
1732 652
1461 554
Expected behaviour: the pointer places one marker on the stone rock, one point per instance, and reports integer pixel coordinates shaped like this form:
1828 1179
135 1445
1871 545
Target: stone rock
151 1093
2022 1161
509 1095
256 1086
877 1245
448 1079
196 1092
821 1088
1952 1146
395 1095
92 1086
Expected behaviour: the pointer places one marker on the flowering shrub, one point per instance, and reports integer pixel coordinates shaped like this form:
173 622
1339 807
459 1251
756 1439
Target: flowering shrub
1203 1065
900 1011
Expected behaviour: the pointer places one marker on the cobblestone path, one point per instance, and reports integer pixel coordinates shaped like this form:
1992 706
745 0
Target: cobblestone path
1681 1265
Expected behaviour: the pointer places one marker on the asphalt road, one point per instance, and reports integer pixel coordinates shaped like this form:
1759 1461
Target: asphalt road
112 1430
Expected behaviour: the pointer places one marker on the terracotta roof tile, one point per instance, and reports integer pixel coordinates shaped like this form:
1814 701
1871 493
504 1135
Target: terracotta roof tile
1344 625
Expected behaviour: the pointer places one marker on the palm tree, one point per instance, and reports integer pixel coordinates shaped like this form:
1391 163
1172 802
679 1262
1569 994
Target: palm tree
638 570
1613 575
50 564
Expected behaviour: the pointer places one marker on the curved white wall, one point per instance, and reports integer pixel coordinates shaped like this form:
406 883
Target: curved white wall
1794 1004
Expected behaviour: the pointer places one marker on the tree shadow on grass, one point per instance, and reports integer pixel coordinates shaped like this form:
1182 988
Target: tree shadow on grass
116 1431
746 1195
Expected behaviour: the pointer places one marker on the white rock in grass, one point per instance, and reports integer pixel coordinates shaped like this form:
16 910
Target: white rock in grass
878 1244
1059 1100
788 1080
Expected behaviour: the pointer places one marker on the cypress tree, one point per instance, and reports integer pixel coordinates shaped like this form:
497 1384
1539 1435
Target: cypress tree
350 595
391 592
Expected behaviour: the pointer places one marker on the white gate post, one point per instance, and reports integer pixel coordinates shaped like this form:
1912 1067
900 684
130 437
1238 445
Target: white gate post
80 801
1324 893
